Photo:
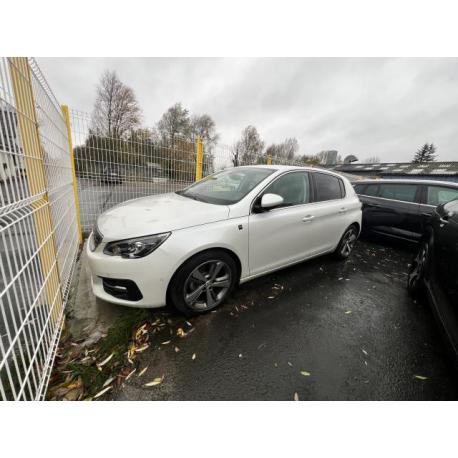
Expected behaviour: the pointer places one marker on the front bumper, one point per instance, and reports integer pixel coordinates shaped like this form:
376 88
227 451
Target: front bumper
150 274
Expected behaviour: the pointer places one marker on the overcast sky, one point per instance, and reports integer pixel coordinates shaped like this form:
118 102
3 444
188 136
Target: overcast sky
365 107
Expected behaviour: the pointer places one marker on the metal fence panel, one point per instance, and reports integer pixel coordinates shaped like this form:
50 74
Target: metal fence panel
38 230
112 170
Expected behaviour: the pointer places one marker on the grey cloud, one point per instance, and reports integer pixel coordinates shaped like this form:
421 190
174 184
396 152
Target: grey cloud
385 107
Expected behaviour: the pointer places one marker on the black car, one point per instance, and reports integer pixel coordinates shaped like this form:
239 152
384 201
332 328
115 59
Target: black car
112 175
401 208
435 268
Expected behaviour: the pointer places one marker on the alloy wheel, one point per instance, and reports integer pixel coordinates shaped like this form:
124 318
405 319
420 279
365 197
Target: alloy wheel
207 285
348 242
418 266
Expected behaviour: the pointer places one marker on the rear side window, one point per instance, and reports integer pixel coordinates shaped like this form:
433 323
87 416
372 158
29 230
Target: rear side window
358 188
403 192
327 187
438 195
371 190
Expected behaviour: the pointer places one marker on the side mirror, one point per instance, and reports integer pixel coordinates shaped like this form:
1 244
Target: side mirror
271 201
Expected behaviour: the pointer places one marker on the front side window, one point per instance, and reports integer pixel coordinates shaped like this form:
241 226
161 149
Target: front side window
293 187
327 187
394 191
227 187
438 195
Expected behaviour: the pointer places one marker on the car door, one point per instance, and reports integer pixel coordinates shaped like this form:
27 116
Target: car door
367 194
432 196
329 212
445 227
279 236
397 210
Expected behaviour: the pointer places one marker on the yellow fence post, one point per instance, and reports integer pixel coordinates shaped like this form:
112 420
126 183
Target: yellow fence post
199 158
66 114
269 160
33 154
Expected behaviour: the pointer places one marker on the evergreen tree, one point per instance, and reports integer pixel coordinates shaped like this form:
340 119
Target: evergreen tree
427 153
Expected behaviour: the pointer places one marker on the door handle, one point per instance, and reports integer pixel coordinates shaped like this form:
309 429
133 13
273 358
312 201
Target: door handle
307 219
343 210
426 214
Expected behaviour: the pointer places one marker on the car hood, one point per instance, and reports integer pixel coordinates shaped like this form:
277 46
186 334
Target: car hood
156 214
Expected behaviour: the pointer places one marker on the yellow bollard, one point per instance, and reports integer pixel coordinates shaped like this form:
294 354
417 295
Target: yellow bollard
199 158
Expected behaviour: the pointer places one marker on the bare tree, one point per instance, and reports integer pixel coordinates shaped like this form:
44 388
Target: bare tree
204 127
372 160
116 110
286 150
175 121
235 154
250 146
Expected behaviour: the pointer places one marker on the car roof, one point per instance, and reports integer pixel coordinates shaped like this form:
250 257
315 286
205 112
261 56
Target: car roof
407 181
282 168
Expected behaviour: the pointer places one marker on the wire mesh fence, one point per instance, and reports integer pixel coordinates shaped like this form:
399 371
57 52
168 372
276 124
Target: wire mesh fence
111 170
38 228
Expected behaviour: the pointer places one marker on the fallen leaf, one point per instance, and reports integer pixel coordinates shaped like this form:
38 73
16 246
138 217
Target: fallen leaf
108 381
271 297
180 332
142 371
305 373
166 342
101 393
73 394
142 348
364 351
129 375
105 361
290 364
420 377
194 356
156 381
240 355
177 350
296 397
348 312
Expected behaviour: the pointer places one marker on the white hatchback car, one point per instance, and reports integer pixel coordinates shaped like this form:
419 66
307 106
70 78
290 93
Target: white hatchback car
192 247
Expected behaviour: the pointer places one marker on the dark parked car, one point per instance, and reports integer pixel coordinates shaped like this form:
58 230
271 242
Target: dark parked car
112 175
401 208
435 268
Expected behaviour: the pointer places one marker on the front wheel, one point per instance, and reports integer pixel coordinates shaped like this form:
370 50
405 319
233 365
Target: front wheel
203 282
347 243
417 269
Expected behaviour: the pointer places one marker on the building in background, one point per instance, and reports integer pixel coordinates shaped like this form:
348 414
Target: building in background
443 171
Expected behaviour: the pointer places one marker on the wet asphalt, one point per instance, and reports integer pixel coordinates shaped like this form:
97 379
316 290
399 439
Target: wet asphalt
321 330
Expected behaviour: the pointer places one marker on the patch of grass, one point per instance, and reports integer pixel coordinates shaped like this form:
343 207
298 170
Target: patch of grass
120 333
116 342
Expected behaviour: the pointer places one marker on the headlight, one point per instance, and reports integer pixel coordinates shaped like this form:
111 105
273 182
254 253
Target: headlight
137 247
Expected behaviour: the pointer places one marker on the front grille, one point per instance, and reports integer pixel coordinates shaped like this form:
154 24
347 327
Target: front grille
122 289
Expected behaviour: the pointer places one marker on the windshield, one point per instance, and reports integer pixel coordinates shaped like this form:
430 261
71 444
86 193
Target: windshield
227 187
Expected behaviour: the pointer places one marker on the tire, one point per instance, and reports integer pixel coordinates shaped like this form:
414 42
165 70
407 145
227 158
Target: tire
203 282
416 274
347 242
